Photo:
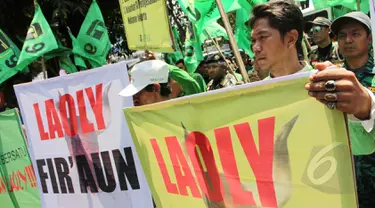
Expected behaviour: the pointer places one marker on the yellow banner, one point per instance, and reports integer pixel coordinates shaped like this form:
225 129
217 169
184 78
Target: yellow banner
269 145
146 25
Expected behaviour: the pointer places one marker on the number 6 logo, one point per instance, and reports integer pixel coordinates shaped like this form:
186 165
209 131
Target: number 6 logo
320 159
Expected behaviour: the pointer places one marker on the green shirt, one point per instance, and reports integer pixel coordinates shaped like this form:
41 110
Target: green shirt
200 81
362 142
187 82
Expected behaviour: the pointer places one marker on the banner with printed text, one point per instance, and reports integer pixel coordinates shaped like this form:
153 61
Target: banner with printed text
18 187
265 144
80 144
147 25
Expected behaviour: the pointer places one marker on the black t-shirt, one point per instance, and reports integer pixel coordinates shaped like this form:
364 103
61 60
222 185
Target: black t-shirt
324 52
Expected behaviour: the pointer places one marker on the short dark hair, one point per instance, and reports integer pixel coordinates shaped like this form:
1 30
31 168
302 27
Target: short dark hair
181 61
282 16
165 89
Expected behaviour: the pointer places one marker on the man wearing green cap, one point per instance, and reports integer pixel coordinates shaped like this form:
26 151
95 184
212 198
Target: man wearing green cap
326 49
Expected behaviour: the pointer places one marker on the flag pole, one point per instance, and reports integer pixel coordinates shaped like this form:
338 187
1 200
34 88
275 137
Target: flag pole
44 68
230 67
358 5
232 41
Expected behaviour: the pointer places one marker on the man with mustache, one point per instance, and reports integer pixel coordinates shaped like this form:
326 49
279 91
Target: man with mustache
277 29
353 32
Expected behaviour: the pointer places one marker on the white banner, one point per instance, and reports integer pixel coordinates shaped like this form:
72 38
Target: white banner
80 144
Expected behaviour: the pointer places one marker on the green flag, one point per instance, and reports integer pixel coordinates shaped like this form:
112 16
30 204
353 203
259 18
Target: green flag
18 185
67 64
173 57
321 4
9 54
206 11
215 30
242 31
193 49
39 40
60 51
92 42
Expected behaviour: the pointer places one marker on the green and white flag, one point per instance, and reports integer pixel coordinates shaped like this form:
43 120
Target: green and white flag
9 54
92 42
39 40
18 183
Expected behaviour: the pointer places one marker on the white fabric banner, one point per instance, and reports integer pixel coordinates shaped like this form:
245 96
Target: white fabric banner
80 144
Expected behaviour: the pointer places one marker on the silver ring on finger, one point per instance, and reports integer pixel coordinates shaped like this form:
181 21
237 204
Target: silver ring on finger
330 85
330 97
331 105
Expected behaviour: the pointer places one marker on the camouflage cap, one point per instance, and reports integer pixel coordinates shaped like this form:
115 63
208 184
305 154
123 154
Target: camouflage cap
321 21
356 16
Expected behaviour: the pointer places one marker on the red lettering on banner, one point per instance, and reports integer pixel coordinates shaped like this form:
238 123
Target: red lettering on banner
85 124
206 171
211 184
262 162
42 132
97 105
54 124
70 128
224 145
58 121
171 187
179 162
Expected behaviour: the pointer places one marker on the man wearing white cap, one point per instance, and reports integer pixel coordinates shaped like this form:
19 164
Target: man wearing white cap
149 83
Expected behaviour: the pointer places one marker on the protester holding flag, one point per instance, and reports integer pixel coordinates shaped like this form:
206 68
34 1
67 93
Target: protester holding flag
277 26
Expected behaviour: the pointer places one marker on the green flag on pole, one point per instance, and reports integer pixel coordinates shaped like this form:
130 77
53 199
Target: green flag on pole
9 54
206 11
321 4
39 40
215 30
193 49
92 42
18 184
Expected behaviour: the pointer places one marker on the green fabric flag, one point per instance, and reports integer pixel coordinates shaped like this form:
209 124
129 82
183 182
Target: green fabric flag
242 31
60 51
215 30
206 11
39 40
173 57
9 54
18 185
321 4
67 64
78 60
193 49
92 42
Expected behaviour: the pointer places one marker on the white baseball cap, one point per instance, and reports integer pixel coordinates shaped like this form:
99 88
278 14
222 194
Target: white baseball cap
146 73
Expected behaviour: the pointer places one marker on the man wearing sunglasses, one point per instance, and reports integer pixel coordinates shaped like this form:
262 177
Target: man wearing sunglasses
326 49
